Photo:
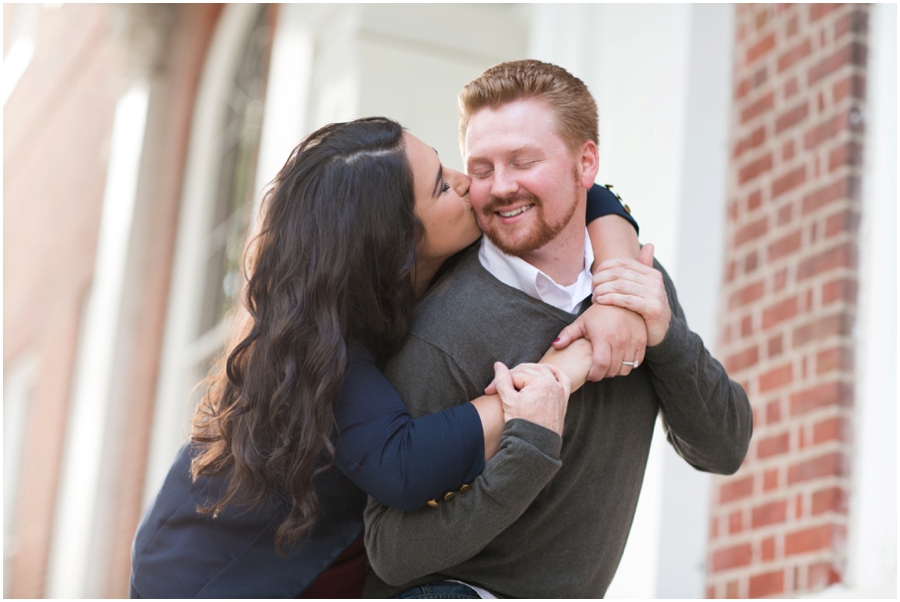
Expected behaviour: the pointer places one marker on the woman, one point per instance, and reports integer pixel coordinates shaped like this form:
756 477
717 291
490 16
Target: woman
298 423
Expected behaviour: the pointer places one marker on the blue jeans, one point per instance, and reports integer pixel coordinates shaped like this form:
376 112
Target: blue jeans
440 589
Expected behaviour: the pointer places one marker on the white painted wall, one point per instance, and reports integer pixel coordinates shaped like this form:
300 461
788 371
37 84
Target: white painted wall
641 87
415 61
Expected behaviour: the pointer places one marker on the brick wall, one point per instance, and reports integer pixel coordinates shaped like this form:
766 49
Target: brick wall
779 526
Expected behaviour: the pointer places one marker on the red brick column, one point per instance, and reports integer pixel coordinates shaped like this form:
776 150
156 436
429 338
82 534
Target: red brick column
779 526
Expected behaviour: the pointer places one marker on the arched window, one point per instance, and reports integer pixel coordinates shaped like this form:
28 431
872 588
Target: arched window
239 148
216 214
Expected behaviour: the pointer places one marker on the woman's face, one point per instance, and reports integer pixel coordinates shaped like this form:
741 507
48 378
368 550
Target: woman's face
442 203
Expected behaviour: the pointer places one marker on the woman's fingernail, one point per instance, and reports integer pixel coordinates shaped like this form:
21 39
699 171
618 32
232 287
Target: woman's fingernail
556 341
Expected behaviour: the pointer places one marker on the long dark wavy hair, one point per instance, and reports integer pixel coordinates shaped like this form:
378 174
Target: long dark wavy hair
331 265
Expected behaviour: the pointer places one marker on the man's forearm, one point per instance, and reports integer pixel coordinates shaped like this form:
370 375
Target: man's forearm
707 415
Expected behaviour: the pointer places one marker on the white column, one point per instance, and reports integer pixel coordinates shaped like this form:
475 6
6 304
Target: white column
872 554
641 88
83 452
700 227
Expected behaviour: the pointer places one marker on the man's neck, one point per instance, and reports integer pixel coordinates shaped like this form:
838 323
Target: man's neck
562 259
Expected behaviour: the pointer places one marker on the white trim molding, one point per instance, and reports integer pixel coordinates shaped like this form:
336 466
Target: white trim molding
85 432
872 558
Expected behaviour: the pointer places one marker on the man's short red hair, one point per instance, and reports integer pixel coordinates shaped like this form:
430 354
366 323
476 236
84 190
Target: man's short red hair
572 103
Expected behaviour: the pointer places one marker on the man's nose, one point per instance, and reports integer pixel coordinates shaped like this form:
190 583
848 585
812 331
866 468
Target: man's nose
504 184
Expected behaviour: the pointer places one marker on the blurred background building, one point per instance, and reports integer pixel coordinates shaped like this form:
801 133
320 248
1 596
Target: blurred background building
756 144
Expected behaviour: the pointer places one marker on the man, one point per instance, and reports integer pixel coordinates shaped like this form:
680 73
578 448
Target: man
550 515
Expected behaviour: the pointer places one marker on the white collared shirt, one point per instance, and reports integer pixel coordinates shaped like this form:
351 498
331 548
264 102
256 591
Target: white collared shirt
521 275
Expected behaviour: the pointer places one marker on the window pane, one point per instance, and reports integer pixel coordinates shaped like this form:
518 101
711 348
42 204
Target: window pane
240 137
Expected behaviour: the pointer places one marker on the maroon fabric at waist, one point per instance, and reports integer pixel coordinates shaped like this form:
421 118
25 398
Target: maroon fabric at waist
344 578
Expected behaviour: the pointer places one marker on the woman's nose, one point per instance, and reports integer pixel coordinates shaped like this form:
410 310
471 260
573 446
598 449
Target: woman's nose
459 181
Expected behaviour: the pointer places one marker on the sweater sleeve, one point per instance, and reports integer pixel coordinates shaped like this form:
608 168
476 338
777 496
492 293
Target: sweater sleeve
397 460
706 415
601 201
403 546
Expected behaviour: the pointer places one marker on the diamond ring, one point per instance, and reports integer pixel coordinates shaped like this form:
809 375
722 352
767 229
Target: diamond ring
633 364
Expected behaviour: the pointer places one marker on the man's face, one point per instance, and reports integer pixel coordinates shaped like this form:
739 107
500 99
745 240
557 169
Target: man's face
526 183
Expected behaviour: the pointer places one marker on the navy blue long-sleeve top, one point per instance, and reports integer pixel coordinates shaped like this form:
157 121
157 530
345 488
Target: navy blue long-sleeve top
380 451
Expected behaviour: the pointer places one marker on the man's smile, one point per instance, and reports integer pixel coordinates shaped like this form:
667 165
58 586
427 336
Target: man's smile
515 212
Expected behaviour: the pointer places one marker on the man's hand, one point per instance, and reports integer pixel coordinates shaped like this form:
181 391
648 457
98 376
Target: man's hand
637 286
617 335
538 393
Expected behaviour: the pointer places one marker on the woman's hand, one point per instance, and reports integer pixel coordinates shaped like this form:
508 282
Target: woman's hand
637 286
538 393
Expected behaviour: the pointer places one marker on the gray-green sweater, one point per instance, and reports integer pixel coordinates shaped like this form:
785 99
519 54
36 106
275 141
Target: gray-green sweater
548 517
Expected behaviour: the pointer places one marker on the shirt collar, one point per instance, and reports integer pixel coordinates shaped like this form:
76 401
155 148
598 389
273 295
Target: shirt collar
521 275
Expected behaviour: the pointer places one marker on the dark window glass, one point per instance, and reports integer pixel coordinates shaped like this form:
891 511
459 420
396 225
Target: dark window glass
239 144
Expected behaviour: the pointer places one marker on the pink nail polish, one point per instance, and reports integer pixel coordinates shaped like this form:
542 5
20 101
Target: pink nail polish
556 341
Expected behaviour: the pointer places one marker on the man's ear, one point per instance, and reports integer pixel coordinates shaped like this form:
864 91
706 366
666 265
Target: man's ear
589 164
